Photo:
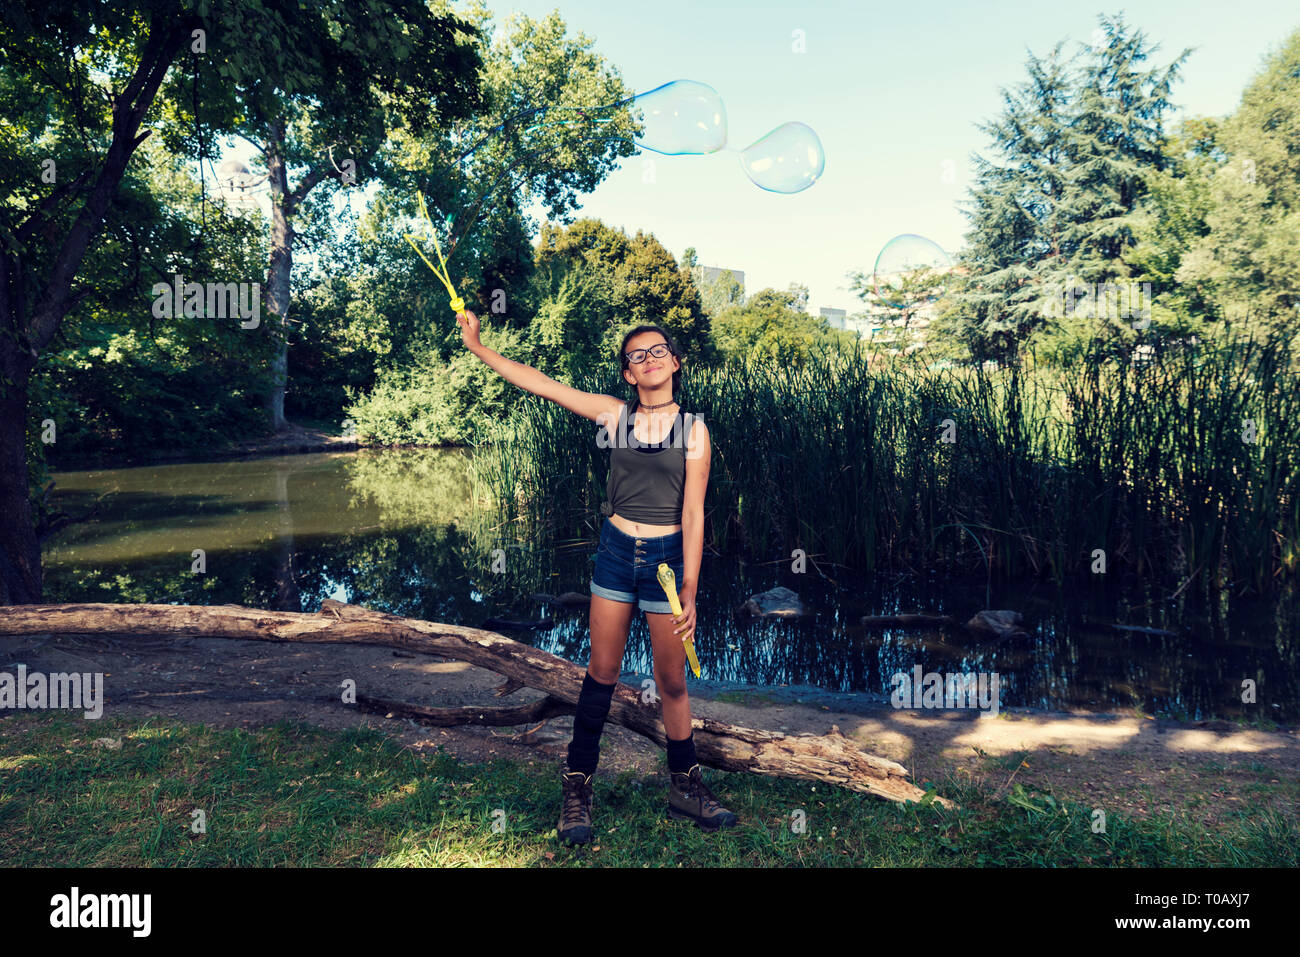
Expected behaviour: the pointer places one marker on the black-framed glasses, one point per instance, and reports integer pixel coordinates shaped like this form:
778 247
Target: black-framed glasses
637 356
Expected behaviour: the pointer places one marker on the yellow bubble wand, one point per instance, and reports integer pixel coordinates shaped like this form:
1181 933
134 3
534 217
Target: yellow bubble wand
457 303
669 582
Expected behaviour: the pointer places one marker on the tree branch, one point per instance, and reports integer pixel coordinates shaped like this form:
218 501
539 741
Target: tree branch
129 107
37 218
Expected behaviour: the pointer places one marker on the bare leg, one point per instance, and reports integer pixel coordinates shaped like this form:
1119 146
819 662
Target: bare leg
610 623
670 675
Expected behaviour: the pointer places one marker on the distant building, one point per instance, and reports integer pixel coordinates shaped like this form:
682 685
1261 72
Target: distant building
835 318
238 186
707 274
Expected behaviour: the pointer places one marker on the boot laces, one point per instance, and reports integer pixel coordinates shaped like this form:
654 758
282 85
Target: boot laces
698 789
577 795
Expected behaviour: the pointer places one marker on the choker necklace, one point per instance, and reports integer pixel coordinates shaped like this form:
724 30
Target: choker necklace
659 406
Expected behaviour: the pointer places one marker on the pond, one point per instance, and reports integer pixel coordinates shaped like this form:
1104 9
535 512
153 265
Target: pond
387 529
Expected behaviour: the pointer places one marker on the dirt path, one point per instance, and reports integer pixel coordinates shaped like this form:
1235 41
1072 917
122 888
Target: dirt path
1122 763
292 439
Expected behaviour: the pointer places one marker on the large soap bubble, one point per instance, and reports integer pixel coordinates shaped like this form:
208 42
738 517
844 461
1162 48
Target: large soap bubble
684 116
787 160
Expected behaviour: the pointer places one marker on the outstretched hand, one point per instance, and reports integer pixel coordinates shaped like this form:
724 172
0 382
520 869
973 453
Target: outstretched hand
468 328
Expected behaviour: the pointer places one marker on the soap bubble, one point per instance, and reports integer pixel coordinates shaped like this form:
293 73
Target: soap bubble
787 160
681 117
899 277
684 116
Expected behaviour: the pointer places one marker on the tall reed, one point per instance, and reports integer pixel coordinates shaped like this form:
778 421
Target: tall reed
1180 466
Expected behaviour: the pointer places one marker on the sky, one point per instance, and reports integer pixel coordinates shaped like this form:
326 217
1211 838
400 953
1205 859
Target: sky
895 92
893 89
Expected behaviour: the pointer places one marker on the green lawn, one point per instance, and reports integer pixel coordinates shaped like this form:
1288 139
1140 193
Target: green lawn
296 795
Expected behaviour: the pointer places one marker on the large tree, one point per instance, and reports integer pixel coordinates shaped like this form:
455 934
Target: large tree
1054 208
320 107
775 324
1169 223
1015 209
78 81
637 279
1248 256
551 129
81 81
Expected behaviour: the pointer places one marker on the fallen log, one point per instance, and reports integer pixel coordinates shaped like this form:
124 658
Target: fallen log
832 757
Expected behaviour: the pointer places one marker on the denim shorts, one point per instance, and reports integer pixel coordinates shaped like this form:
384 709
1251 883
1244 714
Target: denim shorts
626 567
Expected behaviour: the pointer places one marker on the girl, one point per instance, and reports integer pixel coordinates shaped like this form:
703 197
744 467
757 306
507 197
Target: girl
655 513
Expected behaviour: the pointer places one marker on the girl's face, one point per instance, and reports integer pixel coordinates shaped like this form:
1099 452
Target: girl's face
654 370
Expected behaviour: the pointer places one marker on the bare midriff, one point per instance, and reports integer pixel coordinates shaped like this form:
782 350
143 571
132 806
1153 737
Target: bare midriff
641 529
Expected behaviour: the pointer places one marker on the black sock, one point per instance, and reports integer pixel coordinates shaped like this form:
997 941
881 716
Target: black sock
681 754
593 708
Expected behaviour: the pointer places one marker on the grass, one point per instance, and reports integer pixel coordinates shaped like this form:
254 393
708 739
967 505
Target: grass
747 697
1182 468
290 794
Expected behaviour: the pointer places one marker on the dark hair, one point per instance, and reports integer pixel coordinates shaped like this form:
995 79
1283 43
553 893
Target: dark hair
672 349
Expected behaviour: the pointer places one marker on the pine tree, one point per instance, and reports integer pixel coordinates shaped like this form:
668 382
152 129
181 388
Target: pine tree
1248 258
1014 212
1117 138
1054 213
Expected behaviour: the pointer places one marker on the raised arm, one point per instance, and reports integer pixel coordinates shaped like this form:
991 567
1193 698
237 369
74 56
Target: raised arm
589 405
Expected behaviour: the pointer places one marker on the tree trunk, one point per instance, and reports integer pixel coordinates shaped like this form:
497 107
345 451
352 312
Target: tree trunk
831 758
24 333
279 272
20 552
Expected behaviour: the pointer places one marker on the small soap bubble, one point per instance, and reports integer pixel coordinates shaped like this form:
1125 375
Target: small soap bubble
903 261
787 160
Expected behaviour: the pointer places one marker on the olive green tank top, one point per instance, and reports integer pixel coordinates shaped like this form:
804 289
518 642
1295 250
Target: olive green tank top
646 480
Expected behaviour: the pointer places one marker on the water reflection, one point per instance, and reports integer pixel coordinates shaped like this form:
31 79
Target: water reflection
394 530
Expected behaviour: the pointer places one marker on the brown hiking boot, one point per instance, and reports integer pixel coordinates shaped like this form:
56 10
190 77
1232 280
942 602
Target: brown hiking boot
575 811
689 799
